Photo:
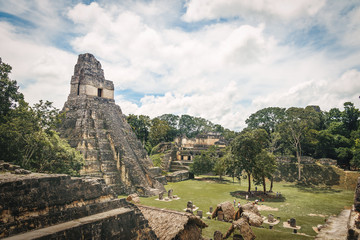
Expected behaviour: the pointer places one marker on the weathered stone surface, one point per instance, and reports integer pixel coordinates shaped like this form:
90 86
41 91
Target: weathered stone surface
178 176
243 226
96 127
60 207
253 218
218 235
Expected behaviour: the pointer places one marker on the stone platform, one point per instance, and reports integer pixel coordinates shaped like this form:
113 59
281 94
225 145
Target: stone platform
44 206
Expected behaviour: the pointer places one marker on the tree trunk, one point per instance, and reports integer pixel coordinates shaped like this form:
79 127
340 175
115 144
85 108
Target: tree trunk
271 184
264 184
298 160
249 180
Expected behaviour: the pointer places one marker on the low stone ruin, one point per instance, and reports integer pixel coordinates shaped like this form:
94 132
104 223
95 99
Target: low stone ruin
44 206
251 212
243 226
170 224
169 197
178 176
9 167
224 212
190 207
271 221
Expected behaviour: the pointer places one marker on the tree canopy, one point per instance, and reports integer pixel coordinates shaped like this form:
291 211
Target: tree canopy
28 135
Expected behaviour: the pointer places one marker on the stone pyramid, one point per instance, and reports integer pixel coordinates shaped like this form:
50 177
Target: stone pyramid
96 127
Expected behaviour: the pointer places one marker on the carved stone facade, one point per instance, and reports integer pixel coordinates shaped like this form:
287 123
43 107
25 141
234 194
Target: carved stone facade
96 127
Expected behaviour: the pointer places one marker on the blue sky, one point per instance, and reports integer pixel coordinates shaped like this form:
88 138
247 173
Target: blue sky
221 60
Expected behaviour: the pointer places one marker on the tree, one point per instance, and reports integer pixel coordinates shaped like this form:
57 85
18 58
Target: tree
350 117
221 159
158 131
334 115
297 122
203 163
173 122
27 134
267 119
140 125
187 126
265 166
9 95
246 146
355 161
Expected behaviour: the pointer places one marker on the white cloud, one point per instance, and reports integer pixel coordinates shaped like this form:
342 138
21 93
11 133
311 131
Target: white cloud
222 70
43 72
198 10
326 94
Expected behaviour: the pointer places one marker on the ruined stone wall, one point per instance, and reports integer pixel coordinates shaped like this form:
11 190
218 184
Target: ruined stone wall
97 128
60 207
192 143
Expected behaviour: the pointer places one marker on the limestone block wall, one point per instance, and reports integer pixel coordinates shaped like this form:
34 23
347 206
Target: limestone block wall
61 207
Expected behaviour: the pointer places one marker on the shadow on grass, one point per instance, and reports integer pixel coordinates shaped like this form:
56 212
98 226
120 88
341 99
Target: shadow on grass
313 189
268 197
212 179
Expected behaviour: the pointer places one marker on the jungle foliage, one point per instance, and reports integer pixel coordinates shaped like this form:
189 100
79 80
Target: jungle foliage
28 134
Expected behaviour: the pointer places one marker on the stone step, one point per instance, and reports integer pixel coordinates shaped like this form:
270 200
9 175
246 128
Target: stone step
178 168
182 162
80 226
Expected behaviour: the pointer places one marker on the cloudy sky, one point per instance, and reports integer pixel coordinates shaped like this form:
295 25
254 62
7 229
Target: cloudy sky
220 60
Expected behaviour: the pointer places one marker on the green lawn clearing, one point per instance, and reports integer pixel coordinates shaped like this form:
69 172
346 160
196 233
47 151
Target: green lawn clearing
309 206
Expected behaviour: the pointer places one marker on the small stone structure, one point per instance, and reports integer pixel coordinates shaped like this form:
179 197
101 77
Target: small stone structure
224 211
44 206
199 213
271 221
178 176
251 212
243 226
291 223
169 224
190 207
218 235
170 194
96 127
161 196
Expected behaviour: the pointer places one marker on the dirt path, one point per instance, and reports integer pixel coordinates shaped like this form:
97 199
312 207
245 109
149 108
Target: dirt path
336 227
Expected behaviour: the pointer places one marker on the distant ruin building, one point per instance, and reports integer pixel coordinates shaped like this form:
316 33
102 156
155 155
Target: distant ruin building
176 157
188 148
96 127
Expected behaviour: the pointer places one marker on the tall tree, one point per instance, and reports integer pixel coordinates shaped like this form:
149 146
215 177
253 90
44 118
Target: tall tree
265 165
298 121
350 117
140 125
173 122
246 146
267 118
158 131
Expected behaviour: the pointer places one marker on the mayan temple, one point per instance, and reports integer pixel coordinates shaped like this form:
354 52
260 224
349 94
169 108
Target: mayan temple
96 127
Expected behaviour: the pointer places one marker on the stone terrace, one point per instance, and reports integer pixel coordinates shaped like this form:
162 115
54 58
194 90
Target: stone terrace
43 206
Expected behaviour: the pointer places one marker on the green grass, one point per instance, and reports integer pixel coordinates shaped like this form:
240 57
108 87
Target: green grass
297 202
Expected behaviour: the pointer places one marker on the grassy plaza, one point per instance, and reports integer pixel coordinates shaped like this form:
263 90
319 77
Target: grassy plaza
309 206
